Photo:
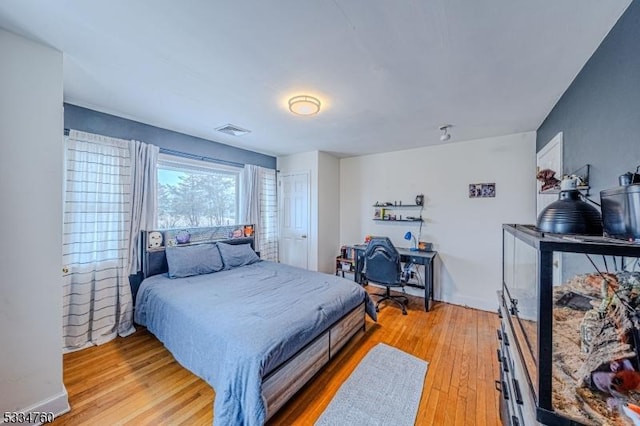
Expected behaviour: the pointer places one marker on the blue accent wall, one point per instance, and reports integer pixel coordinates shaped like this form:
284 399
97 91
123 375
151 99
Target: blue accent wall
600 112
87 120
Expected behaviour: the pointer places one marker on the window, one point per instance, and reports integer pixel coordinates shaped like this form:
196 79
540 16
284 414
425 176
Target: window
193 193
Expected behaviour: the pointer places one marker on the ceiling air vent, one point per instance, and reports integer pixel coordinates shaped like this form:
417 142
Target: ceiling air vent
232 130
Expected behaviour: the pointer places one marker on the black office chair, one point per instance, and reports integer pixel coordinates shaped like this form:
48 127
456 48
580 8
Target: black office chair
382 266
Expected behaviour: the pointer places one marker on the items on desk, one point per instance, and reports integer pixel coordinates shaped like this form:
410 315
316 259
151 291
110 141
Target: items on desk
424 246
409 236
417 245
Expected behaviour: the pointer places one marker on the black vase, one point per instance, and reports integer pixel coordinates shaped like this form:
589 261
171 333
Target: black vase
570 215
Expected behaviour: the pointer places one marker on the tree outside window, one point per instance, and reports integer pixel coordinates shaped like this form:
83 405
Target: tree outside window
196 194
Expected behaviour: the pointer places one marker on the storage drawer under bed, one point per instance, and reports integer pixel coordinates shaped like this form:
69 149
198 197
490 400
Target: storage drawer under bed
283 383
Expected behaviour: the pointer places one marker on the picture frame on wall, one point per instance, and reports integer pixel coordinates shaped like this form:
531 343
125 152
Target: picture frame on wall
489 190
482 190
473 190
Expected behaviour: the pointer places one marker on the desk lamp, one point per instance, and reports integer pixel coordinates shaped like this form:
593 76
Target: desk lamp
408 236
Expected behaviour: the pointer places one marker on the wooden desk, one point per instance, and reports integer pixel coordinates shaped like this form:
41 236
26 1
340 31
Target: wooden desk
424 258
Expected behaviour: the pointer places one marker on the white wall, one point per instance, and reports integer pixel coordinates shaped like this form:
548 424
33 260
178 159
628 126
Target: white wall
31 167
466 232
328 212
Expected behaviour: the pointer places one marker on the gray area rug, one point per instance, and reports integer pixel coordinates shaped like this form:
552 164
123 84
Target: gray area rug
384 389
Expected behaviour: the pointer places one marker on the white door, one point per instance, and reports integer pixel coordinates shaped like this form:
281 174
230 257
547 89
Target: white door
294 218
550 157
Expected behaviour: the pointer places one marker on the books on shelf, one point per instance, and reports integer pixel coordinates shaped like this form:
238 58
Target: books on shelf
347 253
397 212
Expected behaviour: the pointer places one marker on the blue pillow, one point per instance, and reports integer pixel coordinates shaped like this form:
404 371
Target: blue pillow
185 261
234 255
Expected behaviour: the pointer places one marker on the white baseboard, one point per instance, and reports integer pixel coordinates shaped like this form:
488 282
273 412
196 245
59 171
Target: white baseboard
473 302
57 404
468 302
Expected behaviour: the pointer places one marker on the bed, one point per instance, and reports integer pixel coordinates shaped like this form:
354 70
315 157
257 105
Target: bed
256 332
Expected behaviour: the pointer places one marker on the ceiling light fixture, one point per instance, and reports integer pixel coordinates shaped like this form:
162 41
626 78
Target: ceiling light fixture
445 136
304 105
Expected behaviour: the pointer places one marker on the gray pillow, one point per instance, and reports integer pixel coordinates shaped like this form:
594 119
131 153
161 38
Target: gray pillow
234 255
197 259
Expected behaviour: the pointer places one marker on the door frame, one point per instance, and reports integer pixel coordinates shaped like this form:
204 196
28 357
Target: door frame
555 143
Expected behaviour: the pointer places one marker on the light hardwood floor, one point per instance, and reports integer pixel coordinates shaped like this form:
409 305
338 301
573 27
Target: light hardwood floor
135 380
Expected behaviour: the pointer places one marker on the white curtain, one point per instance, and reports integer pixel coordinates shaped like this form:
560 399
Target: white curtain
250 196
268 215
144 161
259 207
101 192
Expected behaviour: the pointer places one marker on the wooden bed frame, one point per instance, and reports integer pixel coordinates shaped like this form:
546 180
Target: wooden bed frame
285 380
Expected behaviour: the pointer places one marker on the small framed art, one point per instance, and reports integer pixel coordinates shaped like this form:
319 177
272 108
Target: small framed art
482 190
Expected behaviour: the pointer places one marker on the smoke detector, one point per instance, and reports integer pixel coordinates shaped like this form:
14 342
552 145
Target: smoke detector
233 130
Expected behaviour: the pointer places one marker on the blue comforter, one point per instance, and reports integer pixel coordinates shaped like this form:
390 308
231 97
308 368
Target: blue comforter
233 327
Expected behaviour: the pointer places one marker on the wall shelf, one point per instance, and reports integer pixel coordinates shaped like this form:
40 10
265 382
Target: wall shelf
400 206
398 220
557 190
583 174
390 213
